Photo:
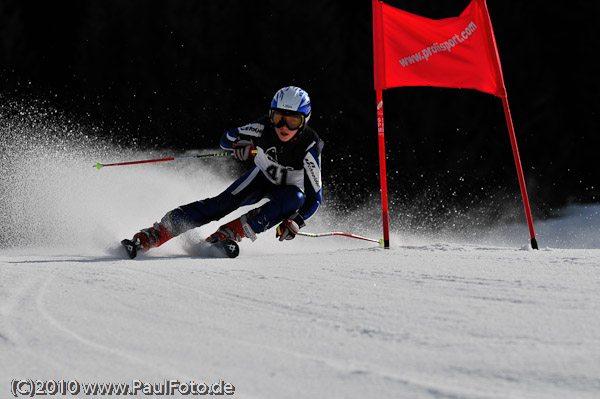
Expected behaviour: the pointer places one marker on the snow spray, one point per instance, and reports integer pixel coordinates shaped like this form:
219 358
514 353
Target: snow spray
50 196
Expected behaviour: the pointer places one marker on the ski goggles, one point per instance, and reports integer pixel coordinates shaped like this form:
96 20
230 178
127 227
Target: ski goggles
293 120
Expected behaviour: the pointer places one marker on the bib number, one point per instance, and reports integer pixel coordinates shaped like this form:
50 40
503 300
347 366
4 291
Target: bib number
278 174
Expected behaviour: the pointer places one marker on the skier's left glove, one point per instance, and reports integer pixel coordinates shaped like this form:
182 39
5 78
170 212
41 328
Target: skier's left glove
288 229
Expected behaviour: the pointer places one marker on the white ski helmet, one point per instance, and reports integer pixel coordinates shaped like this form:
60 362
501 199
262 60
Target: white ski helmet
292 100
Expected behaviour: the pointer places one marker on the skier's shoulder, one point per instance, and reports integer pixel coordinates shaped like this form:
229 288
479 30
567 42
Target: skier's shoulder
250 131
311 140
255 128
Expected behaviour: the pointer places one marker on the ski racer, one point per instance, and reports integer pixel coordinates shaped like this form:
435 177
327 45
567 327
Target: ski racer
286 171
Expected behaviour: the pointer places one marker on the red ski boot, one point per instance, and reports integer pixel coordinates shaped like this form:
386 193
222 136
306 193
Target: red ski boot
235 230
151 237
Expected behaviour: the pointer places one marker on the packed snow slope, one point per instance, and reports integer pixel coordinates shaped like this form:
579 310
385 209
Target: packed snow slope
436 316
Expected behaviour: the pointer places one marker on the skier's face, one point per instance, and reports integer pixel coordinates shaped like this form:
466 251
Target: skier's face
284 133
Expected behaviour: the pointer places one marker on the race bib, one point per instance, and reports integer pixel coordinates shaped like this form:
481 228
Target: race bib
277 173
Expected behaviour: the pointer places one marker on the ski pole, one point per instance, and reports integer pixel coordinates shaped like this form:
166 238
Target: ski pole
337 233
215 155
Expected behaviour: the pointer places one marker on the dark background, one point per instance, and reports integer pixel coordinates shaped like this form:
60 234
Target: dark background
173 75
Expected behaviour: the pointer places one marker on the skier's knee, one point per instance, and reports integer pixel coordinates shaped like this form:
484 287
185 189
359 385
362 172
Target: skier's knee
299 198
176 222
289 201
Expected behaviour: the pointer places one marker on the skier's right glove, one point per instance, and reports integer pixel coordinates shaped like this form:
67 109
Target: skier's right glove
243 149
288 229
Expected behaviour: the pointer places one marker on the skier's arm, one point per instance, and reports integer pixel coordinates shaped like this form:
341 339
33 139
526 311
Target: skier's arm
312 181
228 138
288 229
250 132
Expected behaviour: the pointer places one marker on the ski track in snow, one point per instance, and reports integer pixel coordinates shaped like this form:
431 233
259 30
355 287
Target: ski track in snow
436 316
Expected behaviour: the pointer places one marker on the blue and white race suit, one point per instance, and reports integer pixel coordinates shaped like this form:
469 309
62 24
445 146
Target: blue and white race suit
288 174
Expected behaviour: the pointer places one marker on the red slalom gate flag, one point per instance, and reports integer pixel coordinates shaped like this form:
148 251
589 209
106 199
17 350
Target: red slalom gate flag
459 52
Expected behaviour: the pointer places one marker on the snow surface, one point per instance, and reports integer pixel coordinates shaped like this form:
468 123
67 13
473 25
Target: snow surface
435 316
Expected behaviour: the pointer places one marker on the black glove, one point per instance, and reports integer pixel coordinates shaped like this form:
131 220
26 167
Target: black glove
288 229
243 149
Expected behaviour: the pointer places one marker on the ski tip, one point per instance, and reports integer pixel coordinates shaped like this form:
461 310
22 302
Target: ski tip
382 242
130 248
227 247
231 248
98 166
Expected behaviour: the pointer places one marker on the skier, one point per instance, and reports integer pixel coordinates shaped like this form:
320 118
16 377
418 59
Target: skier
287 171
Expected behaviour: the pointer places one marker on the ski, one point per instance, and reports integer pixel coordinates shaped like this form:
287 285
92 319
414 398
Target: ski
130 247
228 246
